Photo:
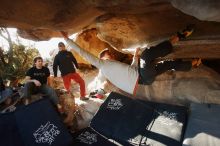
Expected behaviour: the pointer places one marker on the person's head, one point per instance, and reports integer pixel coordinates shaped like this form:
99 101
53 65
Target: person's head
106 54
38 62
61 46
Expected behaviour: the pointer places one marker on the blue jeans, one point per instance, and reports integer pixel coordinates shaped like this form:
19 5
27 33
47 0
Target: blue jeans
5 94
30 88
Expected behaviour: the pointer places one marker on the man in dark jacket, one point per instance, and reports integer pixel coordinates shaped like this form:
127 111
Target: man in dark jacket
36 82
67 64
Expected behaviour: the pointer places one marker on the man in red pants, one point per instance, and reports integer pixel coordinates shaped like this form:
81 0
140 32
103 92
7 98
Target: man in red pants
67 64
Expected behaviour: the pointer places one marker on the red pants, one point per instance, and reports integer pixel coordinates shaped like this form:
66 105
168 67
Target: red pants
76 77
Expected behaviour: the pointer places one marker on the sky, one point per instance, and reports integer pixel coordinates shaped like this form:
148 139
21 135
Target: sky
44 47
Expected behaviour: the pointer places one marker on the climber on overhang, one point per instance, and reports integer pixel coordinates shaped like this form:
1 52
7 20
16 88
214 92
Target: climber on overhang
127 77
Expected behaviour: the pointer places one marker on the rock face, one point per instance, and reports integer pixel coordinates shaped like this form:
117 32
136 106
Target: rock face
41 16
203 10
88 40
201 85
123 24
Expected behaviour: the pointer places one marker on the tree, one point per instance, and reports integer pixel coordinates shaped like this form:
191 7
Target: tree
16 60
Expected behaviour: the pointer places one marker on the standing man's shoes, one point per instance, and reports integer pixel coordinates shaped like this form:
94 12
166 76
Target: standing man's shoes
84 98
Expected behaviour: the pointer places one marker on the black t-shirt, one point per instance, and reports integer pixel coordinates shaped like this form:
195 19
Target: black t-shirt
39 74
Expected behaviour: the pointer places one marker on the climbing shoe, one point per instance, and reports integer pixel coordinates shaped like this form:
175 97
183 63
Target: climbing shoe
196 62
186 32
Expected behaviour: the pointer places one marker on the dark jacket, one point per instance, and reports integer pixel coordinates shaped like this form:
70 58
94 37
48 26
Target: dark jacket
66 61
